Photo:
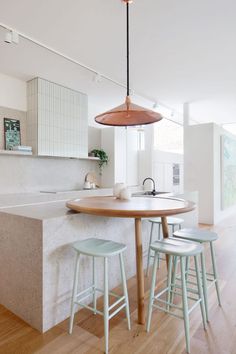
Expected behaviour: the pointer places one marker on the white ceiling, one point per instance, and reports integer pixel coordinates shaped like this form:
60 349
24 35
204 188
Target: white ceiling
181 51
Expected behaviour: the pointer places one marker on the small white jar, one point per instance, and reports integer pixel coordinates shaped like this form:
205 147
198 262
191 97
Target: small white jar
125 194
117 188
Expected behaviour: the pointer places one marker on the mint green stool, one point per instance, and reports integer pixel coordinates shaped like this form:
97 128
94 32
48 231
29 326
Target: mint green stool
203 236
182 250
106 249
172 223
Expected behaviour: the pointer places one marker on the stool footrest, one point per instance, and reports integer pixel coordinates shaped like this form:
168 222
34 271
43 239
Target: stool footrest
191 272
117 310
170 304
89 308
122 298
91 290
167 311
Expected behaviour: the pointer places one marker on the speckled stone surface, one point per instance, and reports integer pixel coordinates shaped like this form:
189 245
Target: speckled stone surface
21 264
37 259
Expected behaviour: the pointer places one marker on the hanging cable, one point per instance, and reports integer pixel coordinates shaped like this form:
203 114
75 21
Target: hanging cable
127 44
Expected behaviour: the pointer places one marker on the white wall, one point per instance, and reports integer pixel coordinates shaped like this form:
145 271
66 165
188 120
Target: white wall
12 93
202 172
198 167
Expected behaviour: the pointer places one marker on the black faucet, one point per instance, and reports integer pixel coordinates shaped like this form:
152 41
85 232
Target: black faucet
154 187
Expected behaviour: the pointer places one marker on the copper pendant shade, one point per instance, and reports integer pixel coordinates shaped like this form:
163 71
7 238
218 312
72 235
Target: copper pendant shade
128 114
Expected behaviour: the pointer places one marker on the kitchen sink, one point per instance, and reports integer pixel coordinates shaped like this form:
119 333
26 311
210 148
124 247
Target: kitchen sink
147 193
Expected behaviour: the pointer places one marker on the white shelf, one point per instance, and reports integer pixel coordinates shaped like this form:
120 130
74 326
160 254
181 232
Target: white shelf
90 158
27 153
12 152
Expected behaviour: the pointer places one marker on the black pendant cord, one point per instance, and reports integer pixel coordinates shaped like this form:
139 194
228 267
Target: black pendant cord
127 39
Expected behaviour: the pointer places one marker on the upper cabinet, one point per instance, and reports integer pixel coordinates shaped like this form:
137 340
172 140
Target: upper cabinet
57 120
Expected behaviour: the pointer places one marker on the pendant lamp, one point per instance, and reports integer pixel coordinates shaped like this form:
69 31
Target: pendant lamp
128 114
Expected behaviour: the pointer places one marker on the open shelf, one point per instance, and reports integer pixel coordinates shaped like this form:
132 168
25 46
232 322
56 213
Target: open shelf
89 158
13 152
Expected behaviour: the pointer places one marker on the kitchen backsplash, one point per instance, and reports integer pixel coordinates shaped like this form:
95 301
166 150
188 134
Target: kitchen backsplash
20 174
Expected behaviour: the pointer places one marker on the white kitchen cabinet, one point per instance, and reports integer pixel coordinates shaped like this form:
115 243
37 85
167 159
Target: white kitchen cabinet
57 123
120 144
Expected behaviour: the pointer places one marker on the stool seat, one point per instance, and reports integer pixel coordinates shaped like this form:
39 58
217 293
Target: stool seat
99 248
177 247
196 235
170 220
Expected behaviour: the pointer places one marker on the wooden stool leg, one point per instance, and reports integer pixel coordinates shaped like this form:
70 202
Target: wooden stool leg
122 269
152 290
185 304
200 292
165 232
140 273
204 284
215 272
106 305
74 293
149 249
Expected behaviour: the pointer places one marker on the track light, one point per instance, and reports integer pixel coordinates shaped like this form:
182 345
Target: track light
11 37
8 37
15 37
97 78
155 105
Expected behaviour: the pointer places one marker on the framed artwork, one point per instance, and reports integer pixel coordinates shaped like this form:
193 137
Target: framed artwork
11 133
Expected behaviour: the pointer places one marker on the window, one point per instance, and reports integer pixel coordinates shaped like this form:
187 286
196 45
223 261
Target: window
168 136
230 127
141 139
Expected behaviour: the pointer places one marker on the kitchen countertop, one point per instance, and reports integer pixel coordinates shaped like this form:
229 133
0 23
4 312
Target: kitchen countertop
43 206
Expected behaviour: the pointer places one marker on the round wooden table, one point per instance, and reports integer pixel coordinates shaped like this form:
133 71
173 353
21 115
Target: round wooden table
137 208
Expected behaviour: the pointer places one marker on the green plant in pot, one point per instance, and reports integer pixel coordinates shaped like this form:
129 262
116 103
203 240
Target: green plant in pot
103 158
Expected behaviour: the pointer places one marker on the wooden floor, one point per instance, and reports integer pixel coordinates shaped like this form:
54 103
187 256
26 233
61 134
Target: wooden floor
166 335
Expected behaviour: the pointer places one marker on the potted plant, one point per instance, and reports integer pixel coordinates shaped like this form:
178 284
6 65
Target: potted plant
103 158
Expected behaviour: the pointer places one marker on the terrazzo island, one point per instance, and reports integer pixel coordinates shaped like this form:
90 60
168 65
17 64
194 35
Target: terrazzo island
37 260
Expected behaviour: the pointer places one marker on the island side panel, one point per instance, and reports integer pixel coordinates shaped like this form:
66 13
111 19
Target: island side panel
59 258
21 267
